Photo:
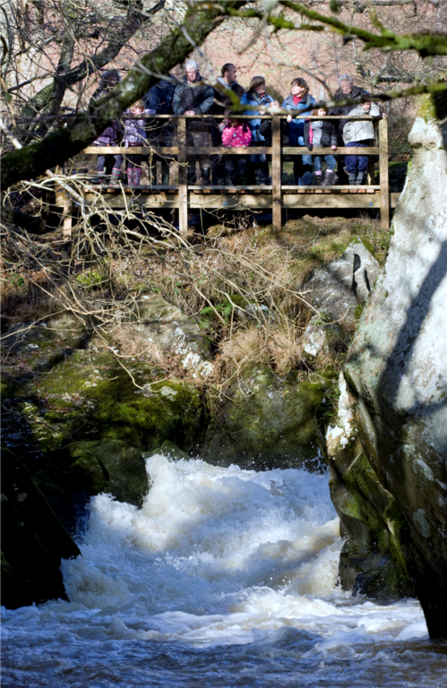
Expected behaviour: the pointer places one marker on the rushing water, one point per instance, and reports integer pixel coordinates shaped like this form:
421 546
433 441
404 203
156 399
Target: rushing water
224 578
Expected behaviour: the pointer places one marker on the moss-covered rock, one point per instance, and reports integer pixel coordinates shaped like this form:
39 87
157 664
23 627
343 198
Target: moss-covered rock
266 421
372 560
110 466
168 449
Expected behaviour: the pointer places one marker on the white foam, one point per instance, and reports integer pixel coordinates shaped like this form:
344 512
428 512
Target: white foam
216 556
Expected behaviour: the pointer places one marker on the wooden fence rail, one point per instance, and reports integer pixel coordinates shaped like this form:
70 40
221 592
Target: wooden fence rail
275 196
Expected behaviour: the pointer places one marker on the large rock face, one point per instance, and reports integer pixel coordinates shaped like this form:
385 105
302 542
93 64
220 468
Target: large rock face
397 372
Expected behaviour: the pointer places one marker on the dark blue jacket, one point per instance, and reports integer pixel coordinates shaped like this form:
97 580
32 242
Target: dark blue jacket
159 97
254 100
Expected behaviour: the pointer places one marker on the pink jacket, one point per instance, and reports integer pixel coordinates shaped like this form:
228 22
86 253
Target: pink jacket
236 137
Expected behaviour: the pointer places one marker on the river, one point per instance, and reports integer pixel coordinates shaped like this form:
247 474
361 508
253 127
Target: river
225 577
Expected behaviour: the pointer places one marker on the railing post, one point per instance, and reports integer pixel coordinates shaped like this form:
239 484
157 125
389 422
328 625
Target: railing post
384 181
182 177
371 176
276 173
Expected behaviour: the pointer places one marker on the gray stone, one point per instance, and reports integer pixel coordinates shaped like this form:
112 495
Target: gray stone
339 287
397 371
164 325
314 339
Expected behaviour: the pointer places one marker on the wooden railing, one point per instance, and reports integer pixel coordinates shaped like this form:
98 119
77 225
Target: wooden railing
277 196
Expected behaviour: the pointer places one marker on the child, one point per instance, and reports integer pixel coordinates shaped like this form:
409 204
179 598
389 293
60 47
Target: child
135 135
321 134
358 134
111 136
235 135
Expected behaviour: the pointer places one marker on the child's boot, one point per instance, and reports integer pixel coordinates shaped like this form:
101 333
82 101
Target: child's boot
136 176
359 178
318 176
328 178
130 176
115 175
352 176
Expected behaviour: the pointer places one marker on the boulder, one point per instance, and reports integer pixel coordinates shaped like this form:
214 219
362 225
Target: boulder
84 422
372 560
340 286
163 324
33 539
266 421
396 370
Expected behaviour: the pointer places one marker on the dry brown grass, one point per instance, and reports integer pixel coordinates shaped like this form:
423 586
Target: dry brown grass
246 289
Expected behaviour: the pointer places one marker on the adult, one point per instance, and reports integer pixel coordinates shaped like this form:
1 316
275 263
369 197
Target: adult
258 100
226 86
346 91
299 99
191 97
159 132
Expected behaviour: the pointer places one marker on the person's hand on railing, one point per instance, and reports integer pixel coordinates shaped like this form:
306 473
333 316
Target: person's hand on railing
334 147
289 118
189 113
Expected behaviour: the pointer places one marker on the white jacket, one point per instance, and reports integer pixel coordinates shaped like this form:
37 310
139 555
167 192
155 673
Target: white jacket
360 131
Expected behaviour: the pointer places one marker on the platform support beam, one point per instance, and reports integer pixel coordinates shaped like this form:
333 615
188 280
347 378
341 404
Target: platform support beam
182 178
276 174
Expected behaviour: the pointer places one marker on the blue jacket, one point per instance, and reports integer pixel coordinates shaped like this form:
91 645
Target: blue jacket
254 100
296 126
159 97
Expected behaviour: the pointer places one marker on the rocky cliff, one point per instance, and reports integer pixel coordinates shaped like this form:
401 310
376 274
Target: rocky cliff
389 450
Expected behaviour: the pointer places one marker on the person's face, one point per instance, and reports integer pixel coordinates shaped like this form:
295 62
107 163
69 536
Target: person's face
260 89
322 112
136 110
111 81
231 74
234 122
297 90
366 107
346 87
191 75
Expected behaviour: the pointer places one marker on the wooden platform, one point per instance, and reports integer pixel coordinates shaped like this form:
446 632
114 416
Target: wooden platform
274 197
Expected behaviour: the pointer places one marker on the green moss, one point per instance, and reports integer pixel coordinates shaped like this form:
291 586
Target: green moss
267 421
426 108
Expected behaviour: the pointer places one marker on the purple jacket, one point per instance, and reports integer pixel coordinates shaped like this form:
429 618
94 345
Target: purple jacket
110 136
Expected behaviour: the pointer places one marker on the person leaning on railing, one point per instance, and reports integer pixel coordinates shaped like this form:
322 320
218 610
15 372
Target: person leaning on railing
359 134
134 136
299 99
257 98
159 131
346 91
226 83
111 136
236 134
194 97
322 133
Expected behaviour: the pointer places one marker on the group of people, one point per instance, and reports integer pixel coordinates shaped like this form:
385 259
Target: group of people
192 95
